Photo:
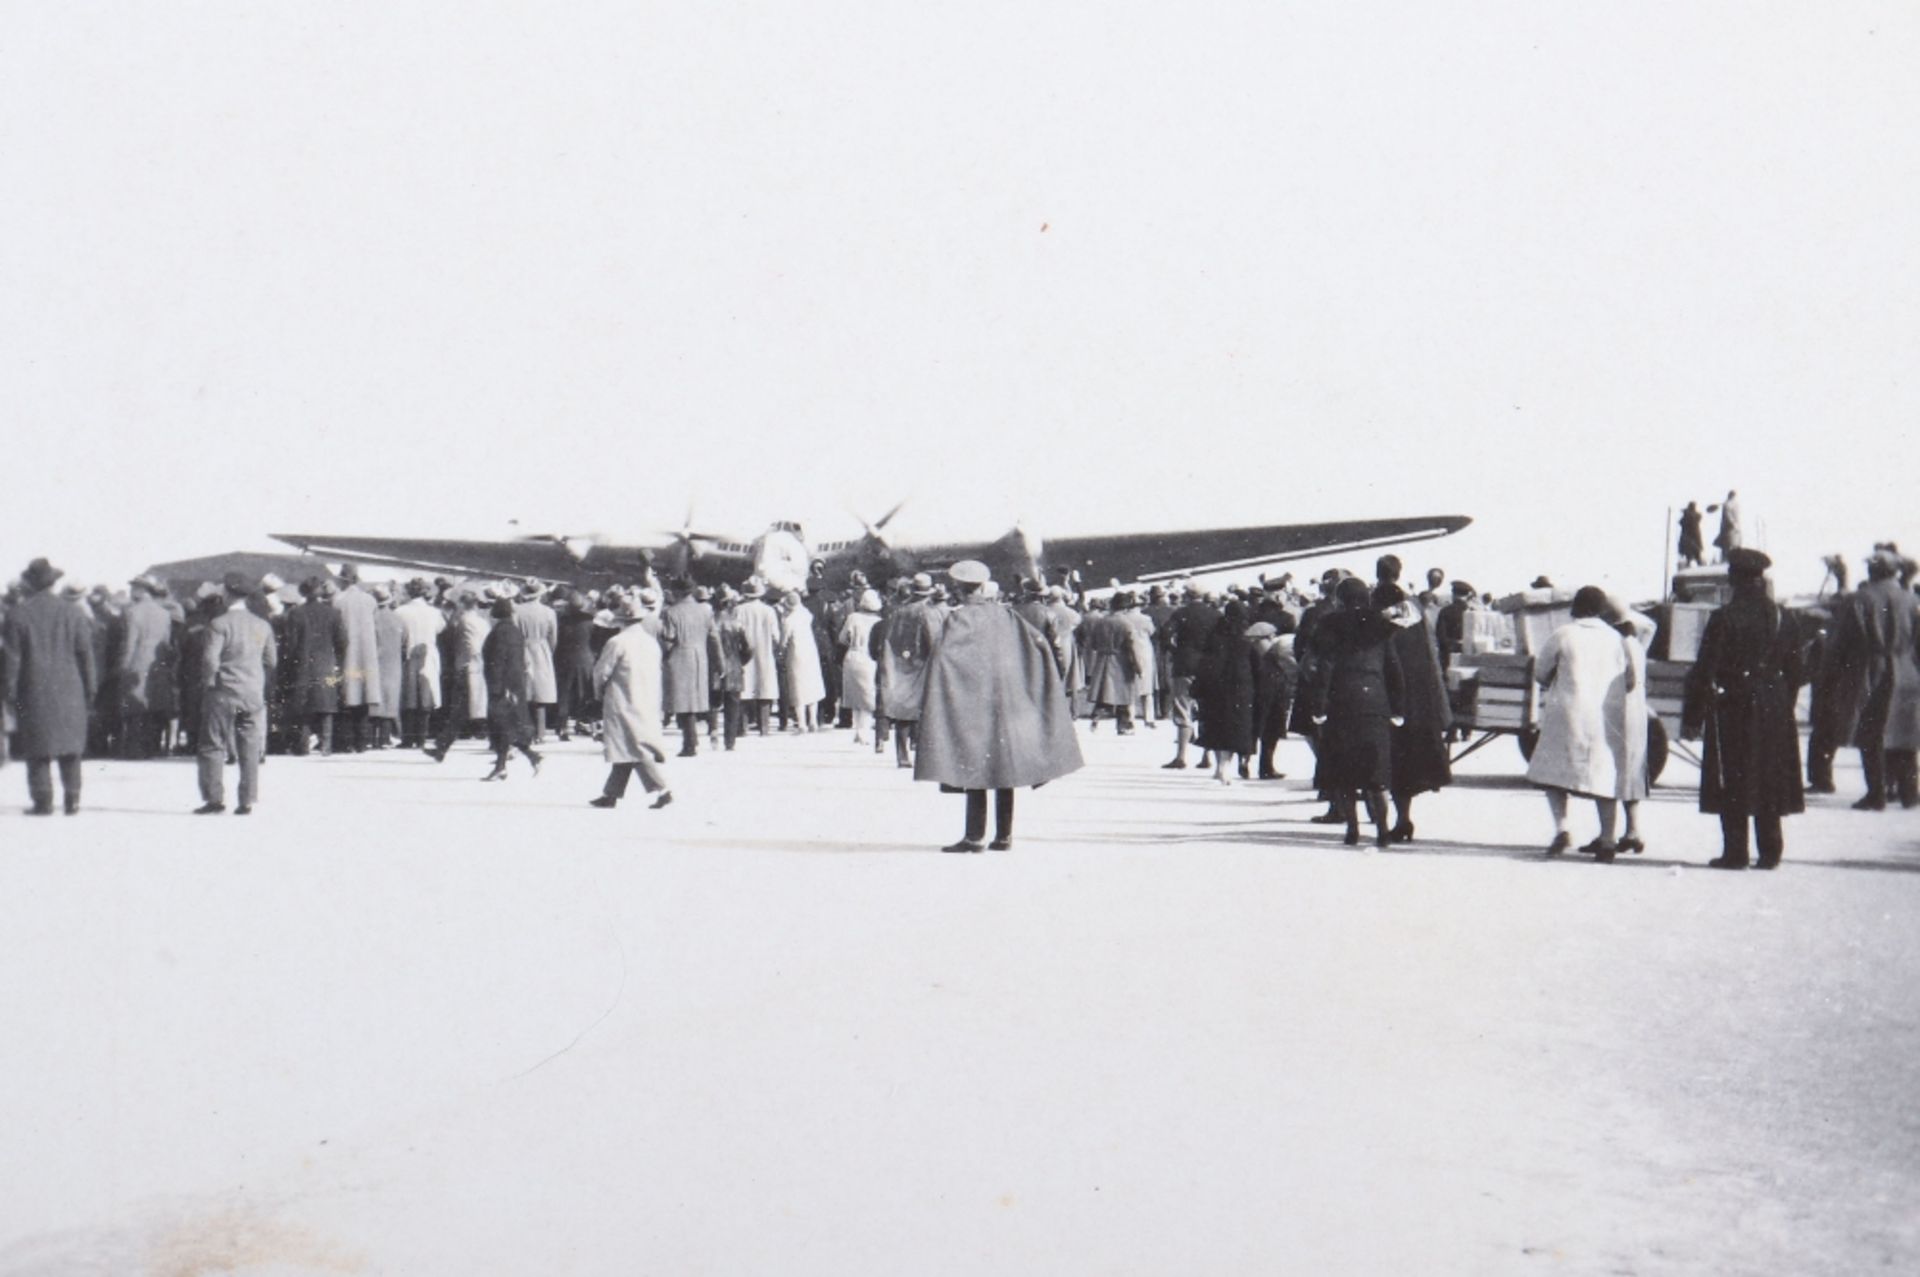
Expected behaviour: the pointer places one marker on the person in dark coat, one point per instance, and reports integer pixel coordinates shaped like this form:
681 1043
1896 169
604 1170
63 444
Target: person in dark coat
1877 677
1224 690
573 658
503 658
1693 545
50 682
1275 675
1420 762
1189 629
1360 694
316 648
1112 672
728 669
1740 695
995 714
1309 686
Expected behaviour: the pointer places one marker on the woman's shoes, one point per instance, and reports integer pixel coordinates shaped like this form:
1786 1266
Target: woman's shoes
498 773
604 800
1402 832
1562 842
1633 845
666 796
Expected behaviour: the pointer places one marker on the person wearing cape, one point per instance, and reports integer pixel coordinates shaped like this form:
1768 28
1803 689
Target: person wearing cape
995 714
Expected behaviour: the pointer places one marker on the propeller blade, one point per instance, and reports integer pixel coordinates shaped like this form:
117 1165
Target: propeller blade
887 518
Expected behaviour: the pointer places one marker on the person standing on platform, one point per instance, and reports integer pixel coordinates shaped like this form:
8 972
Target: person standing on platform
689 642
360 667
994 713
540 629
1692 547
1740 696
240 659
1730 536
50 682
627 678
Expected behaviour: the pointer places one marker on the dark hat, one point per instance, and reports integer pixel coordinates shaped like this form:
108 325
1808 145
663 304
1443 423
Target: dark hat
970 572
1461 590
40 574
419 587
348 573
922 583
311 586
1742 561
238 584
502 609
1541 583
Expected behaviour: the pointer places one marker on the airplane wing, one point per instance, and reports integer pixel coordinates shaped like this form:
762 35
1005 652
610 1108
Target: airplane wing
549 560
1158 556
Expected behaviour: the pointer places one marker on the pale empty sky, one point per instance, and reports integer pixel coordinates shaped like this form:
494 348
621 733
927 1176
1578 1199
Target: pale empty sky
422 268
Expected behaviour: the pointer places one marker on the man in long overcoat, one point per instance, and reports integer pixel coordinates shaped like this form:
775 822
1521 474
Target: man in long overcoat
540 627
1740 694
1188 631
316 651
1876 675
994 714
689 641
1113 669
390 640
360 666
421 622
759 624
145 670
627 678
50 682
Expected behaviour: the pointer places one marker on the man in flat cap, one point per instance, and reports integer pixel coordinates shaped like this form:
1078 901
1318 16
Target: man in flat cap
1740 695
1872 659
50 682
995 715
239 660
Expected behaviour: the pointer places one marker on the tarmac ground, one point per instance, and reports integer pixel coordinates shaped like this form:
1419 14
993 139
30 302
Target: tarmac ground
396 1021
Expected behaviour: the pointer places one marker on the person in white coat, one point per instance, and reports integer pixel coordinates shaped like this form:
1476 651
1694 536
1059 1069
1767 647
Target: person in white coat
421 623
858 669
760 679
360 667
1636 633
540 627
626 677
1585 670
800 663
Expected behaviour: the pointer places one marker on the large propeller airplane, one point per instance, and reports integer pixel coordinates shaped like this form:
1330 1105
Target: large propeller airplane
783 557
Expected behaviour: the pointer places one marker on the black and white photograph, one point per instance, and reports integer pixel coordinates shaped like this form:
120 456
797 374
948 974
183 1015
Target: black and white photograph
1030 640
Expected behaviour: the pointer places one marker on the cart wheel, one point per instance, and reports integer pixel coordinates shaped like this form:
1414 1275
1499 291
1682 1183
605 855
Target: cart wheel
1529 739
1657 749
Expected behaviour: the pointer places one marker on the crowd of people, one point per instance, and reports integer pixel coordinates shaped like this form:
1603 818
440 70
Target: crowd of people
975 688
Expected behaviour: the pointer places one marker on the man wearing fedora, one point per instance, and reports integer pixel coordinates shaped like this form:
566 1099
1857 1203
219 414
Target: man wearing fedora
360 667
994 714
690 646
144 670
910 635
50 682
540 627
759 624
239 661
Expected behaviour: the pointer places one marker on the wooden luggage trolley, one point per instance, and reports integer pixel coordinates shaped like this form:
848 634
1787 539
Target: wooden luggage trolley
1493 693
